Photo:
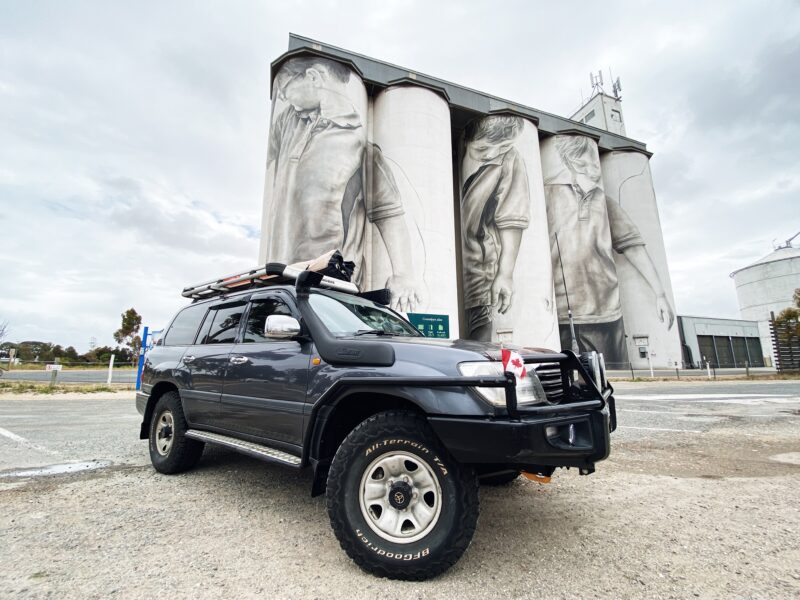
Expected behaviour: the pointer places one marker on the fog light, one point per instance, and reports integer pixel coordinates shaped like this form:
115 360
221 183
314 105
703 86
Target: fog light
567 434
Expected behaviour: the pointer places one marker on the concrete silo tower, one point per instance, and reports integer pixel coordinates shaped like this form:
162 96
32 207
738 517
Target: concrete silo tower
767 286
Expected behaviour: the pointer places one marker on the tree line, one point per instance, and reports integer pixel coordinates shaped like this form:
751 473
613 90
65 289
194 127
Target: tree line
127 336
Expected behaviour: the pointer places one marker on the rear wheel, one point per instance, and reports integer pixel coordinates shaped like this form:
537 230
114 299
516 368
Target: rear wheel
170 450
400 506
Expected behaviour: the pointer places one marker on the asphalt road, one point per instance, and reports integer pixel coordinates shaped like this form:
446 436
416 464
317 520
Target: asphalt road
698 499
72 375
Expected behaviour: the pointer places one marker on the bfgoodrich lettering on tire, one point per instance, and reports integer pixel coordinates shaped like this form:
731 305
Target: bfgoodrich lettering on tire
400 506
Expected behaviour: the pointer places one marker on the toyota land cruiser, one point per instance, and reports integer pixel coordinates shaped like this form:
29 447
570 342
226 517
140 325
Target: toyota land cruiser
301 369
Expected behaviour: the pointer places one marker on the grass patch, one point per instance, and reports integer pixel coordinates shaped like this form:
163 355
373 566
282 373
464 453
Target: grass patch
25 387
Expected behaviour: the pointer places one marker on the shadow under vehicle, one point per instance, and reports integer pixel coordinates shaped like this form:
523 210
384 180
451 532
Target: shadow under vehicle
300 368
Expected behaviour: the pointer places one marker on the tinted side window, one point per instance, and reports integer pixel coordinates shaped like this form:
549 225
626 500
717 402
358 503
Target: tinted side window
224 326
184 327
206 326
257 317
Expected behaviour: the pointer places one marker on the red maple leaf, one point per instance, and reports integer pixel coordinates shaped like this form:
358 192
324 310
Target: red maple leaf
517 363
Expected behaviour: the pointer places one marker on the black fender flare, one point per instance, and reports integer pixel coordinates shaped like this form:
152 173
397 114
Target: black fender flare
421 397
152 398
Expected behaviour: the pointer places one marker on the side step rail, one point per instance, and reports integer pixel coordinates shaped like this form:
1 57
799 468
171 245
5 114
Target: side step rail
249 448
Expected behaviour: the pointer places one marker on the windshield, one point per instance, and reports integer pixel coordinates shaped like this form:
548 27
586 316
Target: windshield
345 314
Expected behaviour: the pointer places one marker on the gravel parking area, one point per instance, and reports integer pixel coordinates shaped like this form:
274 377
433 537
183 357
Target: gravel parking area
698 499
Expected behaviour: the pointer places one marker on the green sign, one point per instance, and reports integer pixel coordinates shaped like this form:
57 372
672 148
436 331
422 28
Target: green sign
435 326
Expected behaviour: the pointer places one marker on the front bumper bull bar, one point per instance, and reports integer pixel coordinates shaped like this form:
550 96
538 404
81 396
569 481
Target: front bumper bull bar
574 432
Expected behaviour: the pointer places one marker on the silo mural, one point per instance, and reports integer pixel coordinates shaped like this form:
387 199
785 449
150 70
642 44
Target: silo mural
325 181
645 287
314 189
411 133
585 230
366 166
506 273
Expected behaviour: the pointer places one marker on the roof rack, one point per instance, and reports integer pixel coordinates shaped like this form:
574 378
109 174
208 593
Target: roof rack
269 274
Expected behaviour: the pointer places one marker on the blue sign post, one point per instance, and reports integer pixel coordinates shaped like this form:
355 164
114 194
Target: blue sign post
141 358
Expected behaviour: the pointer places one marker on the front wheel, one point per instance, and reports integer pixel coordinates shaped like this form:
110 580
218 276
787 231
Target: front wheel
400 506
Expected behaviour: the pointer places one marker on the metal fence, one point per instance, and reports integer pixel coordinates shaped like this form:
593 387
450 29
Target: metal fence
709 371
786 343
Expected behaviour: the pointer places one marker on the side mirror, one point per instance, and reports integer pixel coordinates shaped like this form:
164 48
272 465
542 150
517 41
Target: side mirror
281 327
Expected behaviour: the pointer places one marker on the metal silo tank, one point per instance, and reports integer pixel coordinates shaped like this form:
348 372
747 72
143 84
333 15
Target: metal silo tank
629 188
767 286
315 157
412 159
503 216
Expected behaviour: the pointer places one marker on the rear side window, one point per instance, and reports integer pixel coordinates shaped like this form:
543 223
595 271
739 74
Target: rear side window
222 325
184 327
260 309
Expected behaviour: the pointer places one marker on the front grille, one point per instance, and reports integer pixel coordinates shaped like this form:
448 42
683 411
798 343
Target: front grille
550 376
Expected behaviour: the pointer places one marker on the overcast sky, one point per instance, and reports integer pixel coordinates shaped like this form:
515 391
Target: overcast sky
133 134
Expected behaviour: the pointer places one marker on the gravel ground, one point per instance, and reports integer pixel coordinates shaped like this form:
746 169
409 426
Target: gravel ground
698 499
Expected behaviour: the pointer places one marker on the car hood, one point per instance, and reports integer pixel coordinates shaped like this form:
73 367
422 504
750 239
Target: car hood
490 350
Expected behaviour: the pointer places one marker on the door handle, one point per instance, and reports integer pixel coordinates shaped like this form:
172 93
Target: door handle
239 360
188 359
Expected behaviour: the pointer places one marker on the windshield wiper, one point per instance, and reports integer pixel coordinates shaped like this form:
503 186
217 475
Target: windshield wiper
371 332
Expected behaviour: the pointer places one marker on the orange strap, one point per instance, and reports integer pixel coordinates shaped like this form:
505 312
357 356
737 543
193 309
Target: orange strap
536 477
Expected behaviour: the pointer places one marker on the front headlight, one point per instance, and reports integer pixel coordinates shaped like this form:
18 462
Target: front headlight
591 362
529 388
603 374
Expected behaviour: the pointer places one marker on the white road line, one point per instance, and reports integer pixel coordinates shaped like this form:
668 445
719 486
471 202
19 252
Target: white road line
704 396
659 429
13 436
21 440
655 412
753 401
683 413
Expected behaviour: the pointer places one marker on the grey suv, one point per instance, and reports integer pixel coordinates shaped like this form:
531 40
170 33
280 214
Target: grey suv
397 429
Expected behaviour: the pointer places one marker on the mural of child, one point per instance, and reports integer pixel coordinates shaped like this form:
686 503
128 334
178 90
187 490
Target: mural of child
589 228
495 210
317 162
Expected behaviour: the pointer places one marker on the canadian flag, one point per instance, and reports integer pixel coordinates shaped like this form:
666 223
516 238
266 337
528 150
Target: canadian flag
512 363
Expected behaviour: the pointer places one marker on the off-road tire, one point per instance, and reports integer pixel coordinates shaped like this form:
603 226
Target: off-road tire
450 534
184 452
500 479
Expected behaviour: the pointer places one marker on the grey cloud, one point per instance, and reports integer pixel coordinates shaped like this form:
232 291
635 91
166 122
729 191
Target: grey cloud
762 93
167 220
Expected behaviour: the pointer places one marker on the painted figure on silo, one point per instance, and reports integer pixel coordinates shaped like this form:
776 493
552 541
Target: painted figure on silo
495 210
589 227
318 161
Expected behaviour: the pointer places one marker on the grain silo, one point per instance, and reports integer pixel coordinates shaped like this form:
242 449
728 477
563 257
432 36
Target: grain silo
767 285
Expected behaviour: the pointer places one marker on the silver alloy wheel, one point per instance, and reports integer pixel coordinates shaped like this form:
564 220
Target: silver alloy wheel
165 433
400 497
